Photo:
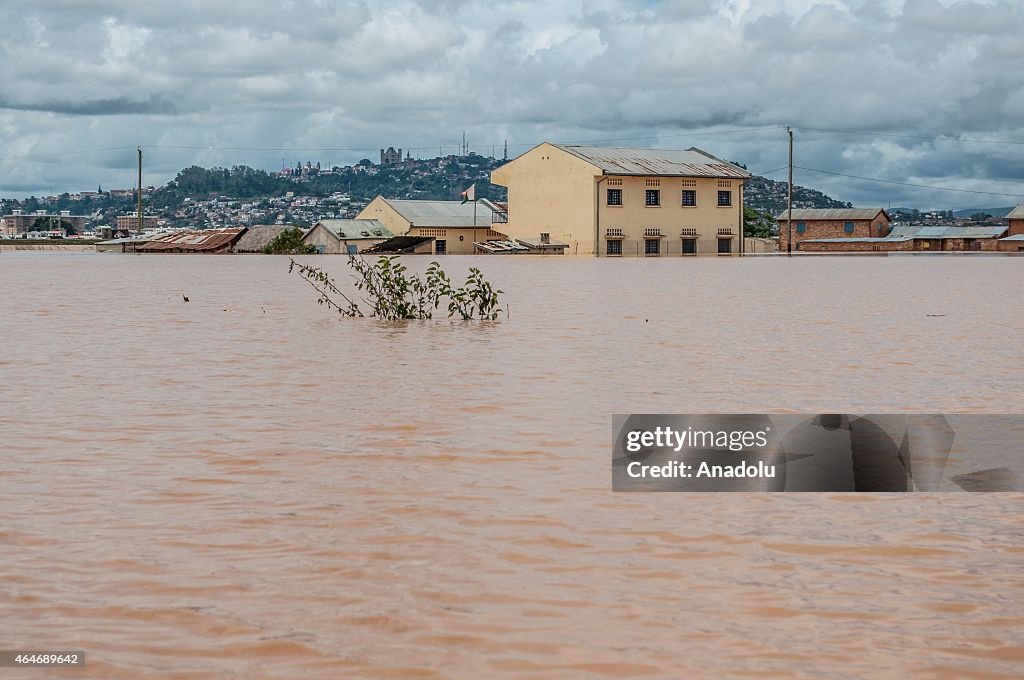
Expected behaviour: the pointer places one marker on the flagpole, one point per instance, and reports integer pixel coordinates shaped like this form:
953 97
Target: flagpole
474 222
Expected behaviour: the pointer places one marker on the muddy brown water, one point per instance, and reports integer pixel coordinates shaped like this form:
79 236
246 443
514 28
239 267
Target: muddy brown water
247 486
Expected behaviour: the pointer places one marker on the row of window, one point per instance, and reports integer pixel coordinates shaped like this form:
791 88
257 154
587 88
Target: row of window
652 198
652 246
801 227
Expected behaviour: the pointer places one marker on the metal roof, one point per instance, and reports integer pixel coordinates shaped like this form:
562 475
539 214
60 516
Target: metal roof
833 213
692 162
1017 213
399 244
947 231
887 239
256 237
194 241
501 246
441 213
1015 237
352 230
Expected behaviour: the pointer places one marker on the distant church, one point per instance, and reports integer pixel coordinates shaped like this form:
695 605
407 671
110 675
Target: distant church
390 157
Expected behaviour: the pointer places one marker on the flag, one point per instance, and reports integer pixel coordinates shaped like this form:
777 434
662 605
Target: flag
469 194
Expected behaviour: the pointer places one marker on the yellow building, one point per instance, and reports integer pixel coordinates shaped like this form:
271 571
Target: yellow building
453 225
610 201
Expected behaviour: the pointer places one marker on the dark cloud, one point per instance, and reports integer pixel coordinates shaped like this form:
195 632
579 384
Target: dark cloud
322 74
99 107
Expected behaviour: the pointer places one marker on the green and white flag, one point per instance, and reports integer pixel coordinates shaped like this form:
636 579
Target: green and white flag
469 194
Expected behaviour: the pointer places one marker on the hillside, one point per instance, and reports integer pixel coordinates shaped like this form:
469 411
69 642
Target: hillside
337 191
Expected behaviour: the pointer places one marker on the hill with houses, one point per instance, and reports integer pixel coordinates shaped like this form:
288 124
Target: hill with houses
217 197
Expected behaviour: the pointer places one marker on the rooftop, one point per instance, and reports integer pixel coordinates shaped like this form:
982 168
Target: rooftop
1017 213
925 231
692 162
443 213
355 229
832 213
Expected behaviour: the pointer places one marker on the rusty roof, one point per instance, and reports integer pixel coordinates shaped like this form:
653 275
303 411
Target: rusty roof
204 240
692 162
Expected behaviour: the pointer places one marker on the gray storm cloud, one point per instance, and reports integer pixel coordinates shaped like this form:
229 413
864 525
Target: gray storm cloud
360 75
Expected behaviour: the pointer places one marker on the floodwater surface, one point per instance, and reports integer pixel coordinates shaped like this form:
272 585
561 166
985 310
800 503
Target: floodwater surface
246 485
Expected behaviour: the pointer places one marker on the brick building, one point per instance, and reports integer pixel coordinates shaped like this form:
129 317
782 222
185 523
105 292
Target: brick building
919 238
19 222
821 223
131 222
1016 221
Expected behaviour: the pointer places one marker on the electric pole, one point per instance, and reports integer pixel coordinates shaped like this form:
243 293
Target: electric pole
140 190
789 198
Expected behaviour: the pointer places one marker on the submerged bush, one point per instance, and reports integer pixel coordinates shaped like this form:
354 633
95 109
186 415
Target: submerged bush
288 242
392 293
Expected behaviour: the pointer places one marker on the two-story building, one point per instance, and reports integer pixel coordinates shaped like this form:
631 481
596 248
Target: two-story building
612 201
831 223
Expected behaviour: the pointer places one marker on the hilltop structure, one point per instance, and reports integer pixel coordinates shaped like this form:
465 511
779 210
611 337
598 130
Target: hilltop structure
611 201
391 156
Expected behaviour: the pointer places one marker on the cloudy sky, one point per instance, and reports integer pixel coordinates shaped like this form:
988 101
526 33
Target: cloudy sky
938 83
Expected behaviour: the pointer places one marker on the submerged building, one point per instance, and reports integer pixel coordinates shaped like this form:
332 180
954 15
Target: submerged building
454 226
613 201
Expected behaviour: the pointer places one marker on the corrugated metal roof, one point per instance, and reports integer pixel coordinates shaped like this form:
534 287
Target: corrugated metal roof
352 230
887 239
1017 213
255 238
194 241
692 162
399 244
1015 237
441 213
501 246
946 231
832 213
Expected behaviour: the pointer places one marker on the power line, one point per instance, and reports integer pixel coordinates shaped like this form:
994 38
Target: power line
65 153
918 137
909 184
762 174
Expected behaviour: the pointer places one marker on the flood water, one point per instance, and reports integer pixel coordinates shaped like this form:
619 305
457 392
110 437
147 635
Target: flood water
249 486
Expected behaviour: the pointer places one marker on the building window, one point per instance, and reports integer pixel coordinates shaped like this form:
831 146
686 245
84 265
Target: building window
615 197
801 227
652 246
652 197
724 246
614 247
440 247
689 246
848 227
724 199
689 197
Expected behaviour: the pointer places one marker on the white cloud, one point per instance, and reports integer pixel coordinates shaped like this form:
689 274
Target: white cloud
101 73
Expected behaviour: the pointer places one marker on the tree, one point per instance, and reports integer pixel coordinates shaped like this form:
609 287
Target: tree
757 223
289 242
51 223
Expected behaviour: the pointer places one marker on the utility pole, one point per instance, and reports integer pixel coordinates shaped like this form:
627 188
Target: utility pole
506 150
789 198
140 190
